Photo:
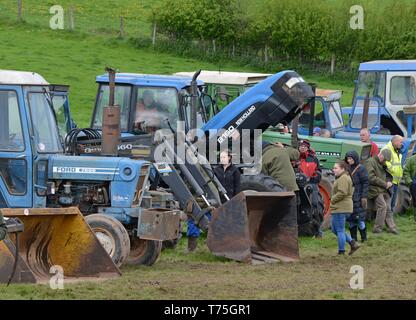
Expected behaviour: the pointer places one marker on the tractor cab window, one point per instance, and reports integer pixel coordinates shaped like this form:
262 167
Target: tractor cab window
318 119
402 90
58 102
335 115
11 136
44 125
122 98
373 83
156 108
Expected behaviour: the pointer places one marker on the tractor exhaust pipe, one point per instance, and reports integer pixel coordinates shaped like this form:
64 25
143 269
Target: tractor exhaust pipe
366 108
111 120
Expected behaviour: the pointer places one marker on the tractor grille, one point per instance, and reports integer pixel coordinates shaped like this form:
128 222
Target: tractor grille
141 184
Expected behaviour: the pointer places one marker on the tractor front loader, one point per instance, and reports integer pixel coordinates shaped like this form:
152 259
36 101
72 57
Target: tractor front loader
260 223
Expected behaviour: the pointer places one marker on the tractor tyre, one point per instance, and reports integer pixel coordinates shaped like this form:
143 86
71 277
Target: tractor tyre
144 252
404 199
260 183
112 235
312 227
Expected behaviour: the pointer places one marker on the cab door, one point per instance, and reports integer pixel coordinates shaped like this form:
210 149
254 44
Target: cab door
15 150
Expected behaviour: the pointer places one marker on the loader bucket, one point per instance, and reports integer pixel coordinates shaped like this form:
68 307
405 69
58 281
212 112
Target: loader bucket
54 237
256 227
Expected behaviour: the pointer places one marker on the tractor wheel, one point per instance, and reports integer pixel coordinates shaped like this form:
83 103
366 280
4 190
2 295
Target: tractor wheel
144 252
112 236
311 228
325 190
404 199
260 183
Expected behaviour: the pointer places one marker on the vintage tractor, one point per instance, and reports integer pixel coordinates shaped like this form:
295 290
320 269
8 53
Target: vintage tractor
47 189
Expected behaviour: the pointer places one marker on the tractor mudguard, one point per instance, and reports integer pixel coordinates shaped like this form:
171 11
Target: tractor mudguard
54 237
256 227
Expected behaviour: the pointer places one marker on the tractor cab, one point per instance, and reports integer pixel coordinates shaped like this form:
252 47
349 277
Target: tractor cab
391 89
149 102
327 114
224 86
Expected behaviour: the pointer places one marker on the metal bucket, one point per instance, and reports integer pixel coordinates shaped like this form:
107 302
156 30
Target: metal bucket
54 237
256 227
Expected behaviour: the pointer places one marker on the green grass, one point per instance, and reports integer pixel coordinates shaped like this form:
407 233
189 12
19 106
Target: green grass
388 261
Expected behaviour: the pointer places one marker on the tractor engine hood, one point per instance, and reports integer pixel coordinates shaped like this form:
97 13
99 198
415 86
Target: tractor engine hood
278 98
94 168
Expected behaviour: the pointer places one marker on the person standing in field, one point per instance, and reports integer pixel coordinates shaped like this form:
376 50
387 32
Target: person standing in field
409 177
341 207
365 137
359 176
394 167
228 174
378 191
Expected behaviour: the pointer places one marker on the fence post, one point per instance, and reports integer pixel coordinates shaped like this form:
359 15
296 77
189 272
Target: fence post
121 27
19 9
71 19
214 48
154 33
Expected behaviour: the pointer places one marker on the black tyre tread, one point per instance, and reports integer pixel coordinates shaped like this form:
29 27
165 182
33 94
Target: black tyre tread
117 230
312 228
404 199
152 253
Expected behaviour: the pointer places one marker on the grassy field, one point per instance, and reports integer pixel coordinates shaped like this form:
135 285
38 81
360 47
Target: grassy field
389 264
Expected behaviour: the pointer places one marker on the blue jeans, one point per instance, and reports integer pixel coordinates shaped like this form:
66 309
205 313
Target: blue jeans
360 224
338 228
193 230
394 189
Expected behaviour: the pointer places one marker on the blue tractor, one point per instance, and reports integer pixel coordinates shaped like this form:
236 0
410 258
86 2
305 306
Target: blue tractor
41 184
254 231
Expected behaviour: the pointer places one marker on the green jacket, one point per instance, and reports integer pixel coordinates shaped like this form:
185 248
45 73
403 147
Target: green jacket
341 200
276 164
376 177
409 172
3 230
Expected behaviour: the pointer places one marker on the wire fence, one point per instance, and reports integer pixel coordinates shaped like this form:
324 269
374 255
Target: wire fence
106 17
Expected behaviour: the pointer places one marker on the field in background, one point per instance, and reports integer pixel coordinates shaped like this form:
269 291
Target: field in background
389 264
76 58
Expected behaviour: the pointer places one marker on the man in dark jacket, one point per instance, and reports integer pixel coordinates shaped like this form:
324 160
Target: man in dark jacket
3 230
378 191
359 176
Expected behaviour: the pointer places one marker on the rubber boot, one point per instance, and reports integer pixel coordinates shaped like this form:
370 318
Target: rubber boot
192 243
363 234
353 231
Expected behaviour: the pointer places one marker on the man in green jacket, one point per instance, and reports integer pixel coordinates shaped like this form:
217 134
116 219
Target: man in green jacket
409 176
276 163
378 191
3 230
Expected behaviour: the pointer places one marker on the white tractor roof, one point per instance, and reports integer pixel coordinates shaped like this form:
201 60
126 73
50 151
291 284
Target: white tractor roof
227 78
21 78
